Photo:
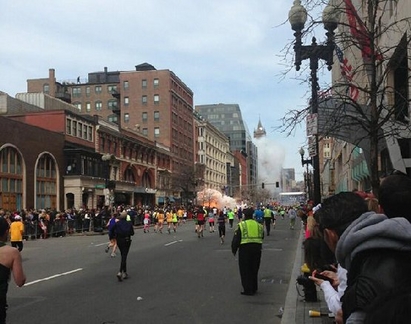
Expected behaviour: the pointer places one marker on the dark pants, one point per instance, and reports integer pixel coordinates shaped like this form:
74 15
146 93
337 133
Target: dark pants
231 221
17 244
123 244
267 222
221 230
249 257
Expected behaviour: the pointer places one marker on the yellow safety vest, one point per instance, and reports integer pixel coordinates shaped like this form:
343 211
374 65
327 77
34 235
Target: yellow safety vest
251 232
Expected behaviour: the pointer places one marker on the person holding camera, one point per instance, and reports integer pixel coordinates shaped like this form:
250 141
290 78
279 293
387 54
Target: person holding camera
248 240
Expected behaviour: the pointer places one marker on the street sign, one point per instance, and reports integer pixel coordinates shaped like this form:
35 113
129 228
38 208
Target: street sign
312 146
312 124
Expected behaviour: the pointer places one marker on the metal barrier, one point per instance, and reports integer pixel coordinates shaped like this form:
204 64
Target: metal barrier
61 227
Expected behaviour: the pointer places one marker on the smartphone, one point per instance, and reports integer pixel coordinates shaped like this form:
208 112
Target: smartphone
320 276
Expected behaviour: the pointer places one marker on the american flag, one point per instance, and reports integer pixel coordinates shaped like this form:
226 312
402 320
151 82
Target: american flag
347 72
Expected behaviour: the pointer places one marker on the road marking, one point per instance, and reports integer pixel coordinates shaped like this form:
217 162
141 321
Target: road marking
174 242
52 277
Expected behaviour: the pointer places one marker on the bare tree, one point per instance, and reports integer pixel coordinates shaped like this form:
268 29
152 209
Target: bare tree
369 101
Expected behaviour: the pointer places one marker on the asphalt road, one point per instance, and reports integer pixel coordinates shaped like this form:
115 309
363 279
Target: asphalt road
174 278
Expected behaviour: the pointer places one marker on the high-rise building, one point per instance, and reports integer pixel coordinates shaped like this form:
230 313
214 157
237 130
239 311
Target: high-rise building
227 118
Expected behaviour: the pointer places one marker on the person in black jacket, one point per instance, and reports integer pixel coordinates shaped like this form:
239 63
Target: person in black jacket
374 249
122 231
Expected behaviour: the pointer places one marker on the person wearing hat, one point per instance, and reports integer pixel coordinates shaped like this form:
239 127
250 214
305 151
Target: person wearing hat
10 261
122 231
16 233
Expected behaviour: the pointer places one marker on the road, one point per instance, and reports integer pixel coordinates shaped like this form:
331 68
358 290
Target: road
174 278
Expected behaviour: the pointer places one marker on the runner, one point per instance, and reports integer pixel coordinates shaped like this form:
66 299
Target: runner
160 219
169 220
222 219
200 221
211 221
112 239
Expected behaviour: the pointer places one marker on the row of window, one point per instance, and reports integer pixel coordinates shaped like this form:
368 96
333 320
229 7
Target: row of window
79 129
98 89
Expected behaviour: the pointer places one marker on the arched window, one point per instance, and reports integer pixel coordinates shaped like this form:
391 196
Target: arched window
145 180
46 182
11 179
129 176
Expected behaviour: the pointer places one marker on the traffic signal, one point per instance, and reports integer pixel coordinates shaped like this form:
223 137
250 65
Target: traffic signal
262 185
277 184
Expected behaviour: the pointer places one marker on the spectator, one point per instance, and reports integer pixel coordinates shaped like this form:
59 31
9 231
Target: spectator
394 196
10 261
374 249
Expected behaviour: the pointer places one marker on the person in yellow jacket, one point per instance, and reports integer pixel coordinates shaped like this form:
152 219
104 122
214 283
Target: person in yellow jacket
248 240
16 233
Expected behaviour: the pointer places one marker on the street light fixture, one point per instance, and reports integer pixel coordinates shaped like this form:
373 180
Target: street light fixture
314 52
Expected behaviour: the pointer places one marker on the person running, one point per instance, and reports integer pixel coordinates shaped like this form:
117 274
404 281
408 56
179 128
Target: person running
16 233
112 239
160 219
169 220
200 221
230 214
221 220
267 219
211 221
180 215
292 215
174 220
146 221
10 261
123 230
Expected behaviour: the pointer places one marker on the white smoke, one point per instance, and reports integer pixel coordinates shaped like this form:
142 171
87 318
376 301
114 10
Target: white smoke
271 158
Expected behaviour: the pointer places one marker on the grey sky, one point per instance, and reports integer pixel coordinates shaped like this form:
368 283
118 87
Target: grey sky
226 51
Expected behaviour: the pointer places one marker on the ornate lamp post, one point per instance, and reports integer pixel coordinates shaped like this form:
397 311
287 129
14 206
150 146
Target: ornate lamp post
307 180
314 52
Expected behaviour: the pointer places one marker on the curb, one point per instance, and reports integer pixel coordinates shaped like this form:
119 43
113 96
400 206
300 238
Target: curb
291 300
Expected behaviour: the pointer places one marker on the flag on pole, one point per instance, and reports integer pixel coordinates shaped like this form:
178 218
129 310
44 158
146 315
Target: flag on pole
359 31
347 72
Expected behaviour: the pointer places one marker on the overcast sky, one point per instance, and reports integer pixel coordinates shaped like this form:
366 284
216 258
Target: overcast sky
226 51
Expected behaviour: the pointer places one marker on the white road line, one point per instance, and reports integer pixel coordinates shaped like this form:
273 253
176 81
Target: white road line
52 277
170 243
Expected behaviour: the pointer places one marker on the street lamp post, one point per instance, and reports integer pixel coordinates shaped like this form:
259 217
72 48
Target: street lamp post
307 175
314 52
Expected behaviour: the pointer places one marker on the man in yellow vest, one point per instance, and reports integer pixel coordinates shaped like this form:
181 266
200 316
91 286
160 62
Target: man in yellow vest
248 239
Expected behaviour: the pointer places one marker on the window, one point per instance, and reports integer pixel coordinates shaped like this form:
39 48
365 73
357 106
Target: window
112 89
68 126
11 179
99 105
156 131
112 104
126 101
79 129
156 115
98 89
126 117
144 83
156 98
90 133
87 91
85 132
88 106
156 83
76 92
46 183
46 88
144 100
144 116
125 85
74 130
112 118
145 131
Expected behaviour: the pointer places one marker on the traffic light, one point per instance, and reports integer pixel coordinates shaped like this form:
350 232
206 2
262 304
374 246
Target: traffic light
277 184
262 185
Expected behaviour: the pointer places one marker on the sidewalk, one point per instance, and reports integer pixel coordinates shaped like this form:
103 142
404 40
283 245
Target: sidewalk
296 310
